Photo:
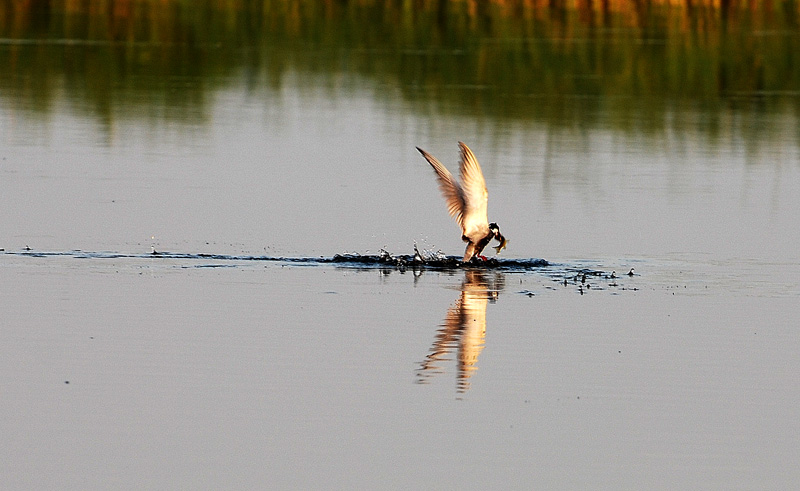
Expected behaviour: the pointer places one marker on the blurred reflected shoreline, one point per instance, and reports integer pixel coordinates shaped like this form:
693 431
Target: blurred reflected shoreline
720 68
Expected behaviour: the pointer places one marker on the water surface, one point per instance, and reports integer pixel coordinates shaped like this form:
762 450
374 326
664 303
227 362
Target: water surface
250 147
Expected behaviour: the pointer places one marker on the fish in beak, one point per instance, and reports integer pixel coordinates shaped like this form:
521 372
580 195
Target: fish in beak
503 242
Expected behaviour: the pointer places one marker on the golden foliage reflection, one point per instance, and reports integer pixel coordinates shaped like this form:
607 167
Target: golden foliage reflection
562 62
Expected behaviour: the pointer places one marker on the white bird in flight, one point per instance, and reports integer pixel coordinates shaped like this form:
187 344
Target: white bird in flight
468 202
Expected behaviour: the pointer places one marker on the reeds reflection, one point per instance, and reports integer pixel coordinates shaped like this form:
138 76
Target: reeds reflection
463 332
633 66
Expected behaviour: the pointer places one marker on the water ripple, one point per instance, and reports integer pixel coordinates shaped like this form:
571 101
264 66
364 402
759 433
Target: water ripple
367 261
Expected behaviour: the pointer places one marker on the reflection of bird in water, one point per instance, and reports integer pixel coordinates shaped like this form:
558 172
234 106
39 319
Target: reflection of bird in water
463 330
468 202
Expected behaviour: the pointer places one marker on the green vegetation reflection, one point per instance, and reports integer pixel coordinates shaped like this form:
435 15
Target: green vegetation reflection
563 63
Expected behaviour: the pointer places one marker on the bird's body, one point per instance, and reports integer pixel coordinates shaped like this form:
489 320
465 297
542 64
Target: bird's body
467 201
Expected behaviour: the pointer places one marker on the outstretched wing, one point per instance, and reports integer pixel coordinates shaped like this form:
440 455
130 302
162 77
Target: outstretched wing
476 198
451 190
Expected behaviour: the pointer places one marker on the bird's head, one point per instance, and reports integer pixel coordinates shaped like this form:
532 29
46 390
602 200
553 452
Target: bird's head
495 230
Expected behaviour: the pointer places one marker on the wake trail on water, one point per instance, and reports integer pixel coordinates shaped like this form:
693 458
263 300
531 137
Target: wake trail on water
382 260
582 276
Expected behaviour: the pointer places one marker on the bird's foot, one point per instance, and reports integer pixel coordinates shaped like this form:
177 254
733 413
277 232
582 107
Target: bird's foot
482 257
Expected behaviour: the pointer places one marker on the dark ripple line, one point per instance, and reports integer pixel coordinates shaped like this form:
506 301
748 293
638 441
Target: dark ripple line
401 262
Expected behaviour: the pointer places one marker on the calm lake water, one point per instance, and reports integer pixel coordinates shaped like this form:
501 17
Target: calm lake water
228 142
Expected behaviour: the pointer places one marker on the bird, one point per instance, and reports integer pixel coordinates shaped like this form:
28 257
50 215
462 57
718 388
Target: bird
467 202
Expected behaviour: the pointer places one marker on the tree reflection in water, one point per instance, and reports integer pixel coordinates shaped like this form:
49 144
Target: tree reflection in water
664 69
